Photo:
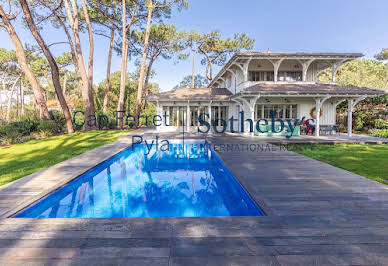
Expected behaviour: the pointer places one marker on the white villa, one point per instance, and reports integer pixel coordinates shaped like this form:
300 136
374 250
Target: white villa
259 83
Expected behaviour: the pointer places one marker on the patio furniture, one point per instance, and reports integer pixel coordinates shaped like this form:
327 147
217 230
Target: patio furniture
329 129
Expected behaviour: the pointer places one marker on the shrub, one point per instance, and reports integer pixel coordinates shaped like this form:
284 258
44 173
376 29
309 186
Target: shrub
47 128
381 124
382 133
14 132
59 120
33 120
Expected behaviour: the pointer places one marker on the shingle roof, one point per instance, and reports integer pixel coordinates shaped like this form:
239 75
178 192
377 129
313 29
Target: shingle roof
313 88
192 94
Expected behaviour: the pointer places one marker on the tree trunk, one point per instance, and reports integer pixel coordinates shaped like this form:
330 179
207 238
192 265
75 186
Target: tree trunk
87 95
22 60
65 85
21 98
91 52
124 61
9 106
146 82
193 73
107 86
53 64
143 63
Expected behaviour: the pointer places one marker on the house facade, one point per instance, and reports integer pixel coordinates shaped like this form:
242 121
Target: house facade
263 86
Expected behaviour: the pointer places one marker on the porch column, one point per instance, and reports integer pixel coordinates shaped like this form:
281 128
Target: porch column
351 104
177 116
246 66
210 113
188 116
350 117
158 112
305 66
276 65
318 105
335 66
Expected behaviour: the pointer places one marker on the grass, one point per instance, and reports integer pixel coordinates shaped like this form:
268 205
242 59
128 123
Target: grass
23 159
370 161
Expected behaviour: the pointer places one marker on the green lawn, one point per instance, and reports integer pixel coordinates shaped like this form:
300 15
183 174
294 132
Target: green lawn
23 159
370 161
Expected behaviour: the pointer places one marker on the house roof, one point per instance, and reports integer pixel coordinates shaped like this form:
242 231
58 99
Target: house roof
192 94
298 54
286 55
312 88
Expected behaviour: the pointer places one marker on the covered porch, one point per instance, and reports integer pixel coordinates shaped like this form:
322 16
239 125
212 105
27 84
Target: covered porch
316 103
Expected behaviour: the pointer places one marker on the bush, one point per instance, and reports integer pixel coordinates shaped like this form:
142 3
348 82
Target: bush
59 120
381 124
382 133
14 132
47 128
33 120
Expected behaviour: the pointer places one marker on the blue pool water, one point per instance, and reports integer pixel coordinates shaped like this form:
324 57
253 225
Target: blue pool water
189 180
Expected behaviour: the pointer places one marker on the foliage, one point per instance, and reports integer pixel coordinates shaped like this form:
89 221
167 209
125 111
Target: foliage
360 73
382 133
381 124
23 159
199 82
215 49
370 161
47 128
164 40
59 120
383 55
14 132
363 73
130 95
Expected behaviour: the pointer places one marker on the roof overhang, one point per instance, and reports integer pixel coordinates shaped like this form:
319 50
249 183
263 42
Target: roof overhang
283 55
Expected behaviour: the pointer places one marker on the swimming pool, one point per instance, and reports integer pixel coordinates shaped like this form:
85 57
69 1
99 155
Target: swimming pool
188 180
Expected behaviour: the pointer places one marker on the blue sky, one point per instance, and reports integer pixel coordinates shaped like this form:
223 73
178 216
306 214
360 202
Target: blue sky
282 25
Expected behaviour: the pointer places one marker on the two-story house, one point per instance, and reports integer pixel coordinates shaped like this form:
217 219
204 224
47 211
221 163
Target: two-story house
264 85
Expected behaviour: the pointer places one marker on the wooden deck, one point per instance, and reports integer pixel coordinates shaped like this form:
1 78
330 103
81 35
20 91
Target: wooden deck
317 215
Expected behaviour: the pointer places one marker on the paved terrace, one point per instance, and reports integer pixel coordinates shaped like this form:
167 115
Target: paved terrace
317 215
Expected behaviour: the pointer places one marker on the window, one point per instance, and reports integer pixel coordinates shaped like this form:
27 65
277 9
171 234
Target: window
281 111
261 76
256 75
290 76
219 112
194 115
270 76
294 76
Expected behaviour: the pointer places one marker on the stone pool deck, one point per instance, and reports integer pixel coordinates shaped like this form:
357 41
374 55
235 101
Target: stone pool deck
317 215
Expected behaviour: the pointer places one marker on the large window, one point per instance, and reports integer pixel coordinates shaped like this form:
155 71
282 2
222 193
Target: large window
281 111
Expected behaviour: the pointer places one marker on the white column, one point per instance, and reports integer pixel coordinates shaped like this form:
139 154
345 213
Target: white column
350 116
177 116
159 112
305 66
210 114
198 114
188 116
318 105
317 114
276 65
